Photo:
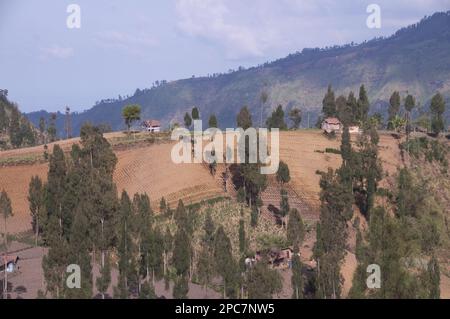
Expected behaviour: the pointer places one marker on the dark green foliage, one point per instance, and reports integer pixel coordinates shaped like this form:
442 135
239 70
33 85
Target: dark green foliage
262 282
187 120
394 107
295 229
104 280
363 105
181 287
254 217
283 175
242 239
224 264
147 291
344 111
14 128
244 118
277 119
297 281
128 278
434 278
36 196
331 233
130 114
181 253
329 104
437 110
352 105
284 203
295 115
212 122
195 114
5 213
51 129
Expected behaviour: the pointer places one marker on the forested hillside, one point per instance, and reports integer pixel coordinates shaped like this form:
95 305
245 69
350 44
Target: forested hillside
415 59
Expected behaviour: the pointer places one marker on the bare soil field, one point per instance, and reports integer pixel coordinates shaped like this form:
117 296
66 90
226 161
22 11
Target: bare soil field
142 169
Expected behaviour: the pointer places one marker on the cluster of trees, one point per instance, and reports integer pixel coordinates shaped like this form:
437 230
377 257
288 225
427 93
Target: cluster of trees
77 214
350 110
402 239
434 121
12 124
393 240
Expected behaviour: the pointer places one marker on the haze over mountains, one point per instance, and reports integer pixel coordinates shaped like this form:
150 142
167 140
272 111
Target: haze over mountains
415 59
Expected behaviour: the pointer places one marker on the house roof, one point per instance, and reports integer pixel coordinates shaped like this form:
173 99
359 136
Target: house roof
332 120
151 123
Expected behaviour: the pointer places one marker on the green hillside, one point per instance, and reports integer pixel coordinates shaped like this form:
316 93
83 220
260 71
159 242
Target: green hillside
415 59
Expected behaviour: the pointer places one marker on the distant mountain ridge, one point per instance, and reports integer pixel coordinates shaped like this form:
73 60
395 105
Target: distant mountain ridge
416 59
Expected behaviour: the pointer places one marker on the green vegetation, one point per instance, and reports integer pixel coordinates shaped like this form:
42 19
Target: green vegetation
131 113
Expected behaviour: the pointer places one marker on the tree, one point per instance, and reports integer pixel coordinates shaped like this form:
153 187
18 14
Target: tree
397 124
51 129
329 103
104 280
42 128
242 239
125 246
263 99
331 234
195 114
262 282
295 115
352 104
212 122
297 277
284 204
6 212
344 110
181 287
277 119
36 195
437 108
181 252
283 175
131 113
434 278
244 119
223 260
254 217
363 104
14 128
3 118
295 229
409 105
394 107
187 120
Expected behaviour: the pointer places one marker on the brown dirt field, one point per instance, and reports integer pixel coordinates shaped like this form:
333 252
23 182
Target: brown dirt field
300 151
144 169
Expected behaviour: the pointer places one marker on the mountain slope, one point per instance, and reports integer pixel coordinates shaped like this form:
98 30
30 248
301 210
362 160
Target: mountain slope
415 59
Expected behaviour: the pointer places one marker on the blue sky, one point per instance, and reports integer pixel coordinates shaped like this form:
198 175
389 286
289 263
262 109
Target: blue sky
123 45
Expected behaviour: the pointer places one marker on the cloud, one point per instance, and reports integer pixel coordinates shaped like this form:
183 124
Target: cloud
57 52
261 28
212 20
132 43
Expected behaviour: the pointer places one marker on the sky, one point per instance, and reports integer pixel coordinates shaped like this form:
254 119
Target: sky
124 45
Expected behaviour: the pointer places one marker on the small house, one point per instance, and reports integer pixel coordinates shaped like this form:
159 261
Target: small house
9 263
331 124
153 126
353 129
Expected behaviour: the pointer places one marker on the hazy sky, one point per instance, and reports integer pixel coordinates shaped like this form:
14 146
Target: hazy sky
122 45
